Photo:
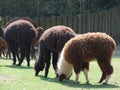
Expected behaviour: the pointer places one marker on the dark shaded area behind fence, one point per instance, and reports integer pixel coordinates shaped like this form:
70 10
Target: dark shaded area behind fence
107 21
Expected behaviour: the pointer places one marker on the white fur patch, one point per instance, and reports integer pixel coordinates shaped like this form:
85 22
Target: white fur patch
107 78
85 71
63 66
77 78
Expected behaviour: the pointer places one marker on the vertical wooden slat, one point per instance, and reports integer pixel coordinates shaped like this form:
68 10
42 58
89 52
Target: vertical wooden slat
59 20
48 23
79 25
110 23
117 19
53 21
64 20
91 23
100 22
36 21
42 22
96 23
105 17
75 24
69 21
84 21
82 24
88 22
114 21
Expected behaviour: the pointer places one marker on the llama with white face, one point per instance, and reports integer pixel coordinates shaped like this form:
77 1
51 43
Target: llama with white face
80 50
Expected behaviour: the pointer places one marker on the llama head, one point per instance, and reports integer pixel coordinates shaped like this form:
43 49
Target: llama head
39 66
63 76
64 68
40 31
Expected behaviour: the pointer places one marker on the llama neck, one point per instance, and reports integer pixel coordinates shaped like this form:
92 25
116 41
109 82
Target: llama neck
64 67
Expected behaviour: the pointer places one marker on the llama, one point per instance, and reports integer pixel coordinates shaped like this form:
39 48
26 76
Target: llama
3 46
80 50
20 34
51 41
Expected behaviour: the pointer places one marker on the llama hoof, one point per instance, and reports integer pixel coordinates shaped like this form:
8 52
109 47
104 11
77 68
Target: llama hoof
99 82
28 64
87 83
36 73
45 76
13 64
18 65
104 83
57 75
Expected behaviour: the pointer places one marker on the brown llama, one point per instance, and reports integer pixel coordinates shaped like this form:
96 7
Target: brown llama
3 46
80 50
20 33
52 41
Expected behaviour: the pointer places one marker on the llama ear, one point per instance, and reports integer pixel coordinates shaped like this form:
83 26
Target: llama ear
62 77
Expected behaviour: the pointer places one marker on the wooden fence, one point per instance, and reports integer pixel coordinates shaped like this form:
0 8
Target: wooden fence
107 21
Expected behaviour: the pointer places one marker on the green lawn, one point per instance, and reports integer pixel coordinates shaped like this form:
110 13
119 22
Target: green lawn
22 78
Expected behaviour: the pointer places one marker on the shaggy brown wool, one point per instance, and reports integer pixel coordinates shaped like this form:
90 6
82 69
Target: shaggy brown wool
52 41
3 46
80 50
20 33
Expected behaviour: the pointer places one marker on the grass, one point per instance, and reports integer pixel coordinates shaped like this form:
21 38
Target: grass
22 78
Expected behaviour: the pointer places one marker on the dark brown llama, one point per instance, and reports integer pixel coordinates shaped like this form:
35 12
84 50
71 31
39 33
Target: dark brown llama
51 41
20 34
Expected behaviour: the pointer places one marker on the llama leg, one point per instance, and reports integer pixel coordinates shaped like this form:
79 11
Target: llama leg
47 61
77 77
107 79
22 55
12 47
85 71
14 57
17 52
102 77
85 68
77 69
28 54
47 68
54 62
109 72
103 70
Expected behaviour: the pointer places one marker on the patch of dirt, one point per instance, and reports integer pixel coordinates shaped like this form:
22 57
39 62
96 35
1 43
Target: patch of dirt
6 78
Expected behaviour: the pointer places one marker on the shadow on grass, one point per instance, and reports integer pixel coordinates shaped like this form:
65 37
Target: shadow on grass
71 83
18 67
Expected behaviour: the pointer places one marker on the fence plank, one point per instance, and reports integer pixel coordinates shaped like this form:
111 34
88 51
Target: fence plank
75 24
53 20
105 21
42 22
64 20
